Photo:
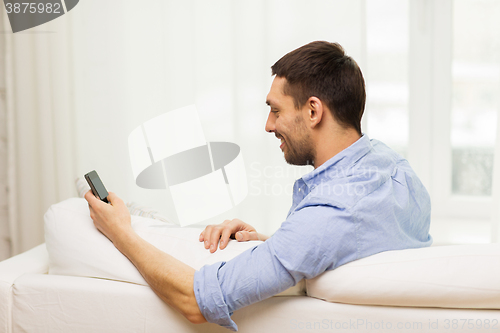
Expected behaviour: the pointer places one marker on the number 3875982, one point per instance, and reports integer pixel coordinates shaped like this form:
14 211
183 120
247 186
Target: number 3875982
27 7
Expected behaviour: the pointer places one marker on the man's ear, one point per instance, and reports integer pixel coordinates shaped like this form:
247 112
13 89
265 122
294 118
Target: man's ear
315 111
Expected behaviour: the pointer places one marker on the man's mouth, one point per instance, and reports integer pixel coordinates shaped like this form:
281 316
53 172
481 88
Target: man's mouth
282 143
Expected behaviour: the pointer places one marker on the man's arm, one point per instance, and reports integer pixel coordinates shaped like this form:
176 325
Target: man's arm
311 240
169 278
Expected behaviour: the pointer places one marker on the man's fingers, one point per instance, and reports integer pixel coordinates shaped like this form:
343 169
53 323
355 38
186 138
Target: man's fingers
244 236
89 196
224 239
217 236
114 199
214 238
206 236
95 202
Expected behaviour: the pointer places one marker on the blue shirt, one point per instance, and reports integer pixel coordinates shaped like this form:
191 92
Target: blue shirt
364 200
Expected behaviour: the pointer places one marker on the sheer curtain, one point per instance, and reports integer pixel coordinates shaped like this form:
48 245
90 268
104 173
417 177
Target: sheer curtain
80 84
4 207
38 164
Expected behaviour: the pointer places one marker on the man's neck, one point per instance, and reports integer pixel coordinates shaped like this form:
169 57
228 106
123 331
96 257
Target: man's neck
329 145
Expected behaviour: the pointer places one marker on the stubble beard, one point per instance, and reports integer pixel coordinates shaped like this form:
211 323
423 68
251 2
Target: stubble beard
300 151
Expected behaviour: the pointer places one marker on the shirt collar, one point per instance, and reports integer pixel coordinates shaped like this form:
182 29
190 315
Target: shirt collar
343 160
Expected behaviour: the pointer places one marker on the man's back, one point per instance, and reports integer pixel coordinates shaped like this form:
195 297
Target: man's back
369 193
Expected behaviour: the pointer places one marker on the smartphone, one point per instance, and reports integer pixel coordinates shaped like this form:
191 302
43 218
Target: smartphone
97 186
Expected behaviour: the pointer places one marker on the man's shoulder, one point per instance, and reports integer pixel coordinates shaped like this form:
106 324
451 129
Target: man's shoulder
382 162
345 187
382 154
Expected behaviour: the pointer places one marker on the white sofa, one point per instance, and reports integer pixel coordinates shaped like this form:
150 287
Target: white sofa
436 289
33 301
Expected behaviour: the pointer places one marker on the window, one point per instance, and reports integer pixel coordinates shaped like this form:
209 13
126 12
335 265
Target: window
433 83
386 73
475 91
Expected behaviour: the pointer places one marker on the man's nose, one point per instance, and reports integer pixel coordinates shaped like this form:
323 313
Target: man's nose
270 123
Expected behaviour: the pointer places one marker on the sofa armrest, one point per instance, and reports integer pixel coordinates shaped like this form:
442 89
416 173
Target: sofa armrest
35 260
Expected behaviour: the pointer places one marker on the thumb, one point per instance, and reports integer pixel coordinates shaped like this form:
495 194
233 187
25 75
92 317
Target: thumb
91 199
114 199
243 236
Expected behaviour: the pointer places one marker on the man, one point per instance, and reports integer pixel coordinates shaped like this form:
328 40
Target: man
361 198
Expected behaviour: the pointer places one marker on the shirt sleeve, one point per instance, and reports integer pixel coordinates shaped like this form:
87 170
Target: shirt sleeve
312 240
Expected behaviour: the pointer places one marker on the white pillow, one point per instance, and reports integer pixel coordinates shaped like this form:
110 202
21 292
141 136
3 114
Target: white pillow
77 248
458 276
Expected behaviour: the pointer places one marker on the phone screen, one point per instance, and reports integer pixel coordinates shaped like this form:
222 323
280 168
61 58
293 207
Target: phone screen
96 185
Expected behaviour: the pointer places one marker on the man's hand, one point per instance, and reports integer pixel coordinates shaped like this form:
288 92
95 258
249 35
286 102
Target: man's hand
113 219
235 229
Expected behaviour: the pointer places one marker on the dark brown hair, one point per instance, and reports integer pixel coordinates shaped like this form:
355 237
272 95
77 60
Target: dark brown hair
322 69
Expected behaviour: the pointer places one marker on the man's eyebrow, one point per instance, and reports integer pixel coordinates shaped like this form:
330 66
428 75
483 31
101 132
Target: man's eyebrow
270 102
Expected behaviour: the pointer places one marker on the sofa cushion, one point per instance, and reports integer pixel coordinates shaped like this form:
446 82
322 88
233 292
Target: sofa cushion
77 248
458 276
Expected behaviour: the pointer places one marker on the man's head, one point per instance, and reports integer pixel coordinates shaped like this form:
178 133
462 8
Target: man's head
314 78
323 70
